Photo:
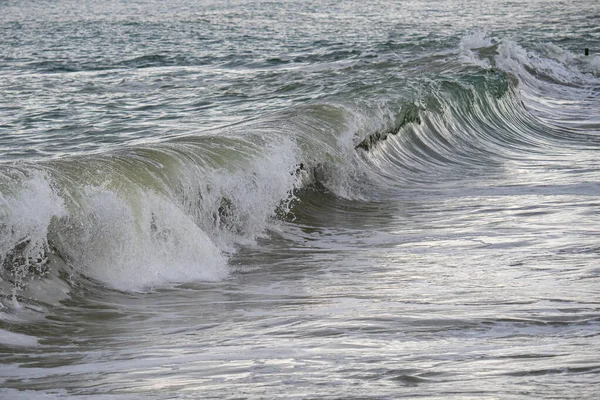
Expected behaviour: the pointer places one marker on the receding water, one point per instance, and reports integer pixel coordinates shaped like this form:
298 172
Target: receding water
299 199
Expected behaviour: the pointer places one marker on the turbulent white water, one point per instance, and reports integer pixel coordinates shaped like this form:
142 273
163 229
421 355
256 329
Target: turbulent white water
314 199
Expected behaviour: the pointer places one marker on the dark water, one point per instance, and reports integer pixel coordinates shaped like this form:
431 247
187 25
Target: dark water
159 239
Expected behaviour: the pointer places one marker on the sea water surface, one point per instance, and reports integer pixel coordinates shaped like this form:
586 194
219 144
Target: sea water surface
324 199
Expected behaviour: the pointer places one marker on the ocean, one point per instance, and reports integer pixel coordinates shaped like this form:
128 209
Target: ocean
299 199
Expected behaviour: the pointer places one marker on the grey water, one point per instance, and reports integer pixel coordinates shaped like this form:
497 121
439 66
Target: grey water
159 239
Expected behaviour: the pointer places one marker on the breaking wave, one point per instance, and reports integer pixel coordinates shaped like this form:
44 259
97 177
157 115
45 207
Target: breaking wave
169 212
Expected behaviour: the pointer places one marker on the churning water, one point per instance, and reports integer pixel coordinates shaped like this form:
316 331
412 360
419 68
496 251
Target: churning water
299 199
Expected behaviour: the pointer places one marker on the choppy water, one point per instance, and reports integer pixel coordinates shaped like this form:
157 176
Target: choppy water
441 241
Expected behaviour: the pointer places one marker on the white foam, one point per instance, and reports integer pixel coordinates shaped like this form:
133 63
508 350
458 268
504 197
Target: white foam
13 339
251 195
139 241
593 65
475 40
26 217
557 53
28 213
549 60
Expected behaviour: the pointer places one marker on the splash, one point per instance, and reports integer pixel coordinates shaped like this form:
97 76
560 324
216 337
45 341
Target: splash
471 45
26 219
136 243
